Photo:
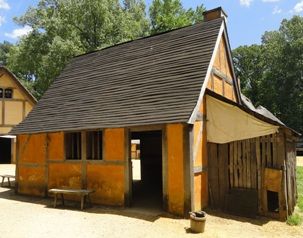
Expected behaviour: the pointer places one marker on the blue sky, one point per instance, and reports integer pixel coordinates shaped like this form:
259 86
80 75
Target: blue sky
247 19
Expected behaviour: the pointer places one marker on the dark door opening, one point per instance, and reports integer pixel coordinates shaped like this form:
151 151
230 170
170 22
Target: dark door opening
147 169
5 150
272 201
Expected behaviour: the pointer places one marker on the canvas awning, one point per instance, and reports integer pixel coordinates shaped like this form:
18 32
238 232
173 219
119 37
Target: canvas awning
227 122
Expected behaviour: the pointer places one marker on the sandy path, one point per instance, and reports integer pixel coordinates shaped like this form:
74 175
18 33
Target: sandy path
24 216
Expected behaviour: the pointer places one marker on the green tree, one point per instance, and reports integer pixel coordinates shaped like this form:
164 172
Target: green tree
65 28
170 14
4 50
249 66
276 69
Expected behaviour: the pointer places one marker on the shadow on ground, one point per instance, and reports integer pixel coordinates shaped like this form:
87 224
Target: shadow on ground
259 221
146 214
132 212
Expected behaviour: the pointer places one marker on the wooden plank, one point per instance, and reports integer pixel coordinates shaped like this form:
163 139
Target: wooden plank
213 175
128 168
244 163
259 172
268 152
253 163
248 164
188 145
283 199
263 153
274 152
17 163
231 164
164 169
236 177
239 154
223 178
280 149
288 179
226 174
46 163
84 159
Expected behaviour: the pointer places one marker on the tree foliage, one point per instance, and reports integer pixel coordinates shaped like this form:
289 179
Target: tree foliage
272 73
62 29
170 14
4 50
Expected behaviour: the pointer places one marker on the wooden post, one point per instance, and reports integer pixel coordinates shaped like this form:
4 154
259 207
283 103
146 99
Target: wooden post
164 170
84 161
127 169
248 163
259 173
17 164
46 165
188 169
239 154
236 177
231 164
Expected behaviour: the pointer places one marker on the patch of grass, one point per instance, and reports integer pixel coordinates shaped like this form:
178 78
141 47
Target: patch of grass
300 187
294 220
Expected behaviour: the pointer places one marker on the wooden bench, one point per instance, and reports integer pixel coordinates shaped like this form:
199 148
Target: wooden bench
8 177
83 193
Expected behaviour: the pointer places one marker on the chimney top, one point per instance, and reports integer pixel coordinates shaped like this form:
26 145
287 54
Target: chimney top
214 14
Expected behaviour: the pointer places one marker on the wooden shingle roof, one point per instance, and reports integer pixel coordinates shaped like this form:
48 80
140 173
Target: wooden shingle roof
148 81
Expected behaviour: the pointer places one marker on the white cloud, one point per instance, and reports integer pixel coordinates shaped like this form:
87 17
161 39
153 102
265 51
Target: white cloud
4 5
2 20
276 10
298 7
19 32
270 0
246 3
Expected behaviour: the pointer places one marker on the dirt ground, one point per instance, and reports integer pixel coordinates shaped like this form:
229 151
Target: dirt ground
23 216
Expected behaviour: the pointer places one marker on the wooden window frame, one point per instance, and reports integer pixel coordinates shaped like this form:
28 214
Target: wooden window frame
69 141
94 145
11 93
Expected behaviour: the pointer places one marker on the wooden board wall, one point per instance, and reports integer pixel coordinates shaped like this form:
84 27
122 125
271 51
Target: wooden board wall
175 168
259 164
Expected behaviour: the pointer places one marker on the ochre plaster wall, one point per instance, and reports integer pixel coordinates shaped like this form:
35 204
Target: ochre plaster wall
114 144
31 164
175 168
42 165
16 108
220 80
108 183
12 110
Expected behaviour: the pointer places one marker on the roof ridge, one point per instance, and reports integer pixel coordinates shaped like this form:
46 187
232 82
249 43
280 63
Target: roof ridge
147 37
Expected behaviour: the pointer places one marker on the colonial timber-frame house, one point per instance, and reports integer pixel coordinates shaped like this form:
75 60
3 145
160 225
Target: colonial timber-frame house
15 103
201 142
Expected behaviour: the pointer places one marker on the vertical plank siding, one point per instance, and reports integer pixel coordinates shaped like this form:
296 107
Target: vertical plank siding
253 165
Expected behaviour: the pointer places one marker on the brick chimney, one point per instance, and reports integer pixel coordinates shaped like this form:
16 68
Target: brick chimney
214 14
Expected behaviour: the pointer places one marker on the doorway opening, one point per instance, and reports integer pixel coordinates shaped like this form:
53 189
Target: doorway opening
146 153
5 150
273 201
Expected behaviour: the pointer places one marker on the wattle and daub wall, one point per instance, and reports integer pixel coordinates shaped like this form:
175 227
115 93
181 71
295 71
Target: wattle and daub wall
42 165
